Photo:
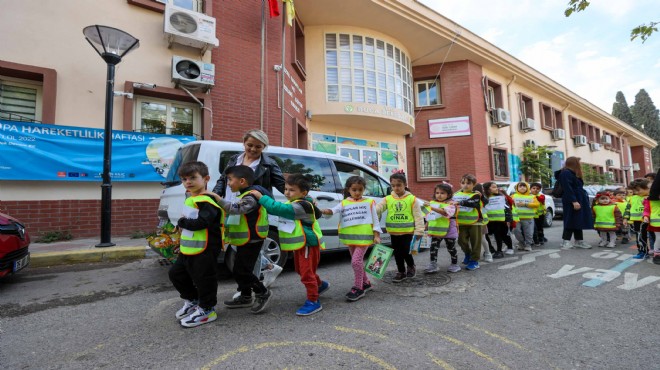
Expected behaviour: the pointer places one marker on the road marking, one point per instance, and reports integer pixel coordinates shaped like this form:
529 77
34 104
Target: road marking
529 258
567 270
609 275
440 363
469 347
630 281
333 346
359 331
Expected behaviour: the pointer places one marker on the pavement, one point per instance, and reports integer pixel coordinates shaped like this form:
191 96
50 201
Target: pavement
85 251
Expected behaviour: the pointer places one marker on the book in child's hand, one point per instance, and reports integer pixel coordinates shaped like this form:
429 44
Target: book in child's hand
415 244
378 260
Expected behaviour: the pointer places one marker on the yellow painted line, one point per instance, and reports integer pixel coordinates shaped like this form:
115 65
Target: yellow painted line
440 363
360 331
469 347
390 322
333 346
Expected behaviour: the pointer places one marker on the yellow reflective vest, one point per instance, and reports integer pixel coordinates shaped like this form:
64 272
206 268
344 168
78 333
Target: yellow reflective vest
636 208
440 226
400 218
604 216
525 213
466 215
195 243
240 234
294 240
361 235
654 218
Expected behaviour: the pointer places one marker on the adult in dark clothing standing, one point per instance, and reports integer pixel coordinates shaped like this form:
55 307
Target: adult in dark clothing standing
577 210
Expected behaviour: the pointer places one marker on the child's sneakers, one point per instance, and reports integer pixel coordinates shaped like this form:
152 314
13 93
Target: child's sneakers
498 255
453 268
261 301
199 317
473 265
324 287
366 286
466 260
432 268
527 248
399 277
640 256
240 302
582 244
412 271
610 245
186 310
509 251
355 294
309 308
488 257
624 240
602 243
566 244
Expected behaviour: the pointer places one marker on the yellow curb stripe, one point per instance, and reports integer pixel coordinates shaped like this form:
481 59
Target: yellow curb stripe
440 363
45 259
334 346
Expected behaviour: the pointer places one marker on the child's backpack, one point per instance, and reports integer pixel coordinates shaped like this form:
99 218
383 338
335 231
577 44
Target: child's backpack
557 190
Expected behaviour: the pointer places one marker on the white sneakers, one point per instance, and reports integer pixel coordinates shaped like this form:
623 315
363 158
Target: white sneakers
567 245
582 244
509 251
186 310
271 275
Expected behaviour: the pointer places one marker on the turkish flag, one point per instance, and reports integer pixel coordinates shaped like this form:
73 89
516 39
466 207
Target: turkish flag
274 8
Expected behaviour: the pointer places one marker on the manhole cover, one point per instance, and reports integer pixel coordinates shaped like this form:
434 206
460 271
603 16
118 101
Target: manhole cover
421 279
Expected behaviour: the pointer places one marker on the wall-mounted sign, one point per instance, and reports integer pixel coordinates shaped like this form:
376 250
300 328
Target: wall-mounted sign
449 127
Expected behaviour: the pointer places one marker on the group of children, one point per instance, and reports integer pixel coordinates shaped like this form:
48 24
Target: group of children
635 210
469 215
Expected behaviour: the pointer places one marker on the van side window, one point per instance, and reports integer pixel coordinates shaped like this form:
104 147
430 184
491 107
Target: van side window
184 155
224 159
346 170
318 168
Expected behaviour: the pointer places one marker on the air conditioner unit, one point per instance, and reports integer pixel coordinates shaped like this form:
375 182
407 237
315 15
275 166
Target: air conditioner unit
558 134
594 147
502 117
190 28
192 73
580 140
609 162
527 124
529 142
607 140
635 167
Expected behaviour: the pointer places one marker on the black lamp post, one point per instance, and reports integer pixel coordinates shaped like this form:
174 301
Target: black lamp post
111 44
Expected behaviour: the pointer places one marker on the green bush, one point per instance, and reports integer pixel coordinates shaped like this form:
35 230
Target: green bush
54 236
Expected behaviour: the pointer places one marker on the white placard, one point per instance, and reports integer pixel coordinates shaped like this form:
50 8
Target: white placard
449 127
356 214
233 219
286 225
496 203
432 216
190 212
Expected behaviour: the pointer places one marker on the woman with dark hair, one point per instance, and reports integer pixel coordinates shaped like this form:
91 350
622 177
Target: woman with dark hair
577 210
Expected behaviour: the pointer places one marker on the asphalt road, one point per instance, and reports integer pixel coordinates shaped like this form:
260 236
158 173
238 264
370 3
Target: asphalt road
546 309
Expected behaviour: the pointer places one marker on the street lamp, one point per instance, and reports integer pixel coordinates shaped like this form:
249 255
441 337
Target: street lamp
111 44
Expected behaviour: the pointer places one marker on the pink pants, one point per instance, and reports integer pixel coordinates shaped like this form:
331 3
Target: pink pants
357 261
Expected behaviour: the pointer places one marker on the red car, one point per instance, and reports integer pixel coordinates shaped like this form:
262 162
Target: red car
14 242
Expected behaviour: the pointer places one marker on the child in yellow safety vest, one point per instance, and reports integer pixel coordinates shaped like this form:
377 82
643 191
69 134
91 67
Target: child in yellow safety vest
442 226
193 274
404 219
652 216
635 214
359 228
300 233
607 219
526 206
621 202
470 220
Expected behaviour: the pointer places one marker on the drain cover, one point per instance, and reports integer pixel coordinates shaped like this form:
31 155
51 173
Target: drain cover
421 279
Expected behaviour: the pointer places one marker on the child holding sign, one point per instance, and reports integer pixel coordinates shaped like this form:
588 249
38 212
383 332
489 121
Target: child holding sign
526 204
500 216
442 226
359 229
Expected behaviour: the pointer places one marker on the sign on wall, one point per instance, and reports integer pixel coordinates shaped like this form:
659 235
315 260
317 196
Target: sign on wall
31 151
449 127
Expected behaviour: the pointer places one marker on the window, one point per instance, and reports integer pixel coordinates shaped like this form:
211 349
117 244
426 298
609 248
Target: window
547 116
20 101
584 129
374 184
432 162
575 126
559 119
493 95
500 163
364 69
298 60
596 138
167 117
526 108
428 93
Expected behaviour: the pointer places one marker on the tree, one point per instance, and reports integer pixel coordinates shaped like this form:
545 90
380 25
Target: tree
647 116
643 31
621 110
535 163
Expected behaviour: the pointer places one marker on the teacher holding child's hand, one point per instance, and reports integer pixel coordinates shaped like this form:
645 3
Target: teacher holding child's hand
577 211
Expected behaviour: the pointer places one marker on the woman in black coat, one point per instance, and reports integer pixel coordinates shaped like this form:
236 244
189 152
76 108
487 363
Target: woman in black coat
577 210
267 172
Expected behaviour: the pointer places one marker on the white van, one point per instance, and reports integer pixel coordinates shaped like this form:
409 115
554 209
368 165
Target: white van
330 172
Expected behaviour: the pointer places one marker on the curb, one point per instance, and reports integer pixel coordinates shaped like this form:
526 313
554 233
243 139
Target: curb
46 259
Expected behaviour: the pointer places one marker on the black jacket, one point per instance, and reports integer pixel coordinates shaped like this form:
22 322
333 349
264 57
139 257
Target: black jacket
268 175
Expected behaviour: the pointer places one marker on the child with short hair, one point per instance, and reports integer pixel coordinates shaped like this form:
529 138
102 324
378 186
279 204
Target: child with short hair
500 216
194 272
247 227
621 203
469 221
607 219
359 229
539 234
300 232
652 217
404 219
526 205
442 226
635 213
486 244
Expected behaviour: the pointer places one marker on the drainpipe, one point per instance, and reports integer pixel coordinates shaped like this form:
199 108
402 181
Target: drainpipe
568 105
620 135
508 100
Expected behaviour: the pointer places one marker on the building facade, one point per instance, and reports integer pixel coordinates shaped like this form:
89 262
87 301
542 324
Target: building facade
394 85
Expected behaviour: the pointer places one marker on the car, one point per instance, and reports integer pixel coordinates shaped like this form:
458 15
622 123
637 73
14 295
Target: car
329 171
14 244
510 187
559 208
